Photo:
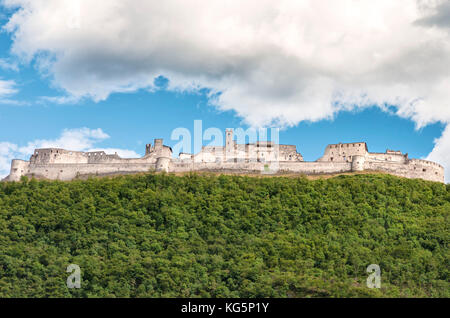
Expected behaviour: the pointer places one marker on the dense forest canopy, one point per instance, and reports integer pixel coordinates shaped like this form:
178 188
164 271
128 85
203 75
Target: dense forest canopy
158 235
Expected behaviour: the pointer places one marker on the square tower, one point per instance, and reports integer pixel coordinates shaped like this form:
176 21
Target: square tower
158 144
229 142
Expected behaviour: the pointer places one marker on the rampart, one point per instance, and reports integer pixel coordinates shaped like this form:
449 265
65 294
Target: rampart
259 157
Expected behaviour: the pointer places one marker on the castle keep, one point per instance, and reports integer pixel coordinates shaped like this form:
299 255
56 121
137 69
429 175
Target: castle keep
258 157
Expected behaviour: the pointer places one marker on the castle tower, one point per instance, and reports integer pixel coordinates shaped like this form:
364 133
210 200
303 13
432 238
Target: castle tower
229 144
358 163
148 149
19 168
158 144
162 164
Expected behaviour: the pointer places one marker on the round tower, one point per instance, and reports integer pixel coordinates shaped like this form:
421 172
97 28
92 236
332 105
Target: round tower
358 163
19 168
162 164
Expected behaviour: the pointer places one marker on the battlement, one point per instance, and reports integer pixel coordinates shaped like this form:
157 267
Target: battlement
56 163
62 156
426 163
394 152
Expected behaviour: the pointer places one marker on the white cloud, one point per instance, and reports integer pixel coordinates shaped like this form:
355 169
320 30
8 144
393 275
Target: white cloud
7 88
283 61
270 61
7 152
8 65
60 99
441 152
80 139
72 139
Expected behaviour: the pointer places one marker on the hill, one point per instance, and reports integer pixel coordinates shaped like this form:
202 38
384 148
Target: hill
159 235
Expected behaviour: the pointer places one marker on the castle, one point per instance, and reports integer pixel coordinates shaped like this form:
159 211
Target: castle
259 157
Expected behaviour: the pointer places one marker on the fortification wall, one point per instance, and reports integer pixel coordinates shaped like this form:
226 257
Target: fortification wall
180 166
118 160
53 155
391 157
315 167
414 168
67 172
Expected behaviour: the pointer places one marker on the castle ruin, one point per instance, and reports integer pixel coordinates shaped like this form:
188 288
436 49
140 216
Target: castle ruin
258 157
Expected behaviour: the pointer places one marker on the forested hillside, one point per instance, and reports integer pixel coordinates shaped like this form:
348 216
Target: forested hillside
225 236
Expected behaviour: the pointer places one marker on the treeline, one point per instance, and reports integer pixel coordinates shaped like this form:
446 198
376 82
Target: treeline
159 235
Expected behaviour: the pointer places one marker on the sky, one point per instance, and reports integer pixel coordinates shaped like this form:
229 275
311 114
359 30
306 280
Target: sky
113 75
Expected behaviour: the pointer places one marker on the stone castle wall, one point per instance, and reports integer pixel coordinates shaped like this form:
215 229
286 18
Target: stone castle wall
414 168
263 157
66 172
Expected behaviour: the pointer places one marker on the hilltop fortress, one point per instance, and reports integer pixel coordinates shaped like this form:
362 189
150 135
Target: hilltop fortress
259 157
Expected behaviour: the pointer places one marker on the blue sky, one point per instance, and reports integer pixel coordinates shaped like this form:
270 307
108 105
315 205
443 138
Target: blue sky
55 85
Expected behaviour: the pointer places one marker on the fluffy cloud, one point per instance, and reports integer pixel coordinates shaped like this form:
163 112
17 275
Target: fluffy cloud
7 152
81 139
283 61
441 151
270 61
74 139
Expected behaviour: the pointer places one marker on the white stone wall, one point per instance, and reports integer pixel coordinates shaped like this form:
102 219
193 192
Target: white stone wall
380 157
53 155
415 169
315 167
19 168
67 172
